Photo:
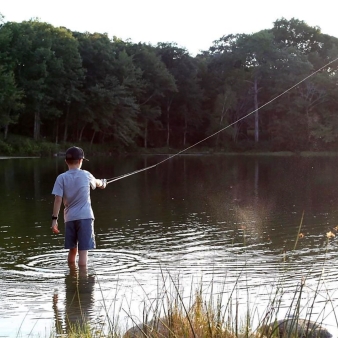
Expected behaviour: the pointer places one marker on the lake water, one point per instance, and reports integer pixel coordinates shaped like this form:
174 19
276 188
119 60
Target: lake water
230 220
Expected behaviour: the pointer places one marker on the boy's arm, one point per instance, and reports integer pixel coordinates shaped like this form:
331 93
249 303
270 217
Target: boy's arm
56 210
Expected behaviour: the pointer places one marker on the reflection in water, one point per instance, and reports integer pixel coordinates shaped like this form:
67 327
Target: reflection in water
79 300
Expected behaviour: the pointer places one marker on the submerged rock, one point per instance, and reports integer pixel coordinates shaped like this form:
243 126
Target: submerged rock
143 330
286 328
292 327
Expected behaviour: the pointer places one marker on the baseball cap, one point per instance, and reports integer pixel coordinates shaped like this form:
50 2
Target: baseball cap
75 153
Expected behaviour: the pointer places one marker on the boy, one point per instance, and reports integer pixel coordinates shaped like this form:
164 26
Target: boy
73 187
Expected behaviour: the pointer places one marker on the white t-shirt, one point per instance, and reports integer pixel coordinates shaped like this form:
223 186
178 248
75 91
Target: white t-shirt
74 187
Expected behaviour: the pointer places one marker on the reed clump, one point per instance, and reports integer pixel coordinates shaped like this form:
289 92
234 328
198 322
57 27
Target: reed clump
199 320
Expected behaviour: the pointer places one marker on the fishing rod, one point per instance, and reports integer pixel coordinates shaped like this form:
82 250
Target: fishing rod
110 180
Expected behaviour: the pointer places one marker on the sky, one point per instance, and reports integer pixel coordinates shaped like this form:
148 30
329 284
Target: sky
192 24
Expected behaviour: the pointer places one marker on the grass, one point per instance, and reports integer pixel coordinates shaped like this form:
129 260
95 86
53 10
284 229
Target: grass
208 312
209 318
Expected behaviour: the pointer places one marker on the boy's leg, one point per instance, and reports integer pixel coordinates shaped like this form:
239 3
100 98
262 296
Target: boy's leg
83 257
72 255
86 239
71 241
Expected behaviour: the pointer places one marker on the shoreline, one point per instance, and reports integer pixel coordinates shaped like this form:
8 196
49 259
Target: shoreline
203 153
15 157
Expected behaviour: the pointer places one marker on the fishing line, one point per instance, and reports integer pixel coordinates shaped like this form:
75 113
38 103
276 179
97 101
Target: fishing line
110 180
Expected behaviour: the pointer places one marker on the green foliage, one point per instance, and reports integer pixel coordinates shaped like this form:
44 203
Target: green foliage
5 148
48 149
182 111
297 33
10 99
64 86
24 146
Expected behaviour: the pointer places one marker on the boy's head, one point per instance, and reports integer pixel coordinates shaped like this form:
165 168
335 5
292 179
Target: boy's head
74 155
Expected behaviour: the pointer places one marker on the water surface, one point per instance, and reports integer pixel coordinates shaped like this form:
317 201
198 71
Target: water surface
227 219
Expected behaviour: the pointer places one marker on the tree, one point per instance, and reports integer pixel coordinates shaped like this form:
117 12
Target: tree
66 77
298 34
237 64
156 83
258 54
309 106
181 109
29 53
47 69
10 100
112 82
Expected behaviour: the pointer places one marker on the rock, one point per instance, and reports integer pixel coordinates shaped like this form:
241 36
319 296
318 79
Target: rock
290 326
142 330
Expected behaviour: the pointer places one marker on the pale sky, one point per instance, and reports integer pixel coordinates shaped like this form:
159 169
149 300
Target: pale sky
193 24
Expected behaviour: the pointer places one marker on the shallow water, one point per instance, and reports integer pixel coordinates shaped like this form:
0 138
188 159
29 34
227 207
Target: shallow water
226 219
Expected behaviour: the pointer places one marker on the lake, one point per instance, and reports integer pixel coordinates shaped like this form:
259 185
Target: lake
234 221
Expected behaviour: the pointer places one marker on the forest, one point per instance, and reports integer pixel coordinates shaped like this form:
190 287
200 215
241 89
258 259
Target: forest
274 90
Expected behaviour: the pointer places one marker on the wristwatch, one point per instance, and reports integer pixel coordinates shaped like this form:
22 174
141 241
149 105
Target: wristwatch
54 217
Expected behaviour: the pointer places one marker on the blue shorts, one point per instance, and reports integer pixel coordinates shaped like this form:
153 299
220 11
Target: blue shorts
80 234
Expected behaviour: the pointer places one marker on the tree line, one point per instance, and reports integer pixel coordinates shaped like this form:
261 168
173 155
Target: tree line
65 86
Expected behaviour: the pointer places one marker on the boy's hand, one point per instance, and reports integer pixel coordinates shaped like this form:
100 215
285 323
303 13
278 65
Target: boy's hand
104 183
54 228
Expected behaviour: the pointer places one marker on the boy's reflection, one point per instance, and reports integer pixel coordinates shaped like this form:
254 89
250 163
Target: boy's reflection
78 301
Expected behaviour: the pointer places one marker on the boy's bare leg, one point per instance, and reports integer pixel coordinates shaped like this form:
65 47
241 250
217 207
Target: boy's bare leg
72 255
83 257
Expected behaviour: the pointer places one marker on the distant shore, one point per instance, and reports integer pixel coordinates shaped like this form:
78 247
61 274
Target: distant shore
11 157
204 153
